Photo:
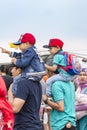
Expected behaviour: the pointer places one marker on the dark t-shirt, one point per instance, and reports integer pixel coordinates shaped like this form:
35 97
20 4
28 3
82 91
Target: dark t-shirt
8 80
28 117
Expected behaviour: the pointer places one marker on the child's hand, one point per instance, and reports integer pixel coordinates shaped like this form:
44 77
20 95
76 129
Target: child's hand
3 50
13 60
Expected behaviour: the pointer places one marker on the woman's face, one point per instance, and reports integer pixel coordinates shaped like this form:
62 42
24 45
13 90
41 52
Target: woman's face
82 77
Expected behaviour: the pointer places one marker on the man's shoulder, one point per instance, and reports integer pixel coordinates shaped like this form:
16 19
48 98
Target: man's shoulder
25 80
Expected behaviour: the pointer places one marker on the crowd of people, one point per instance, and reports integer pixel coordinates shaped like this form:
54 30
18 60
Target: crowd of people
39 95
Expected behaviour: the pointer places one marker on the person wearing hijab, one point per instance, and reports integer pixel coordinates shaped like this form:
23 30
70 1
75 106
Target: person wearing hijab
81 100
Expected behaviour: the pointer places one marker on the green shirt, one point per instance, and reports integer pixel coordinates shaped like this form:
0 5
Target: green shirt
63 91
59 59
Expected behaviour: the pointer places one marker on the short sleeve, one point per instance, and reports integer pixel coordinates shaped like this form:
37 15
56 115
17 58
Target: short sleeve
59 60
22 90
57 92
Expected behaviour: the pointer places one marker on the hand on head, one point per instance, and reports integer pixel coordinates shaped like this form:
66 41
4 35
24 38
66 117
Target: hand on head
13 60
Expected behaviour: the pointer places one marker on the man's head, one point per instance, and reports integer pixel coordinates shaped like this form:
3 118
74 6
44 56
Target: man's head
54 45
16 70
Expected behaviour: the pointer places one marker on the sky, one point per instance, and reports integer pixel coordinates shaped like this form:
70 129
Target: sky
45 19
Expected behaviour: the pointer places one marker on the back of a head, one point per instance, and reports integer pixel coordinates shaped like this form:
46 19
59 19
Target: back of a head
3 69
8 80
17 67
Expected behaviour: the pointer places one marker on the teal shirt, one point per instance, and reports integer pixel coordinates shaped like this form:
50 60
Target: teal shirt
59 59
63 91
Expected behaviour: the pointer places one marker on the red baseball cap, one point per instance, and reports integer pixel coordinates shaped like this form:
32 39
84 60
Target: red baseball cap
27 37
54 43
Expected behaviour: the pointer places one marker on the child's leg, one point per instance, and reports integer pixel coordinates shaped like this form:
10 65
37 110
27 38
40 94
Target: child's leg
51 80
66 78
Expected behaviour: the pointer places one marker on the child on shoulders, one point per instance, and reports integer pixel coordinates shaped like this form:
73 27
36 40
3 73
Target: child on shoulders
29 60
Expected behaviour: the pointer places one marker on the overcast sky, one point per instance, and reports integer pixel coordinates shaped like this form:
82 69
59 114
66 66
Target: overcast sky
64 19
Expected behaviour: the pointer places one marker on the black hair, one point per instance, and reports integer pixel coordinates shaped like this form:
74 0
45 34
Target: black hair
50 63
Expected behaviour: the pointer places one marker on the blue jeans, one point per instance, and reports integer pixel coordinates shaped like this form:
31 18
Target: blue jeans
56 77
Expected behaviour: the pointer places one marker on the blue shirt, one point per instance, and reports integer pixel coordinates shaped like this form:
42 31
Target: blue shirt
28 117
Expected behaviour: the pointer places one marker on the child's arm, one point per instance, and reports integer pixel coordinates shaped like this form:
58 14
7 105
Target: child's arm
51 68
3 50
11 54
